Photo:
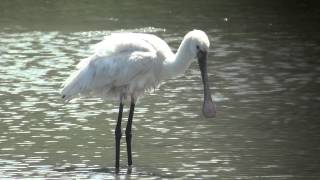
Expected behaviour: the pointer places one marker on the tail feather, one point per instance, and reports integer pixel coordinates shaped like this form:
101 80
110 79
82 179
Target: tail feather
77 83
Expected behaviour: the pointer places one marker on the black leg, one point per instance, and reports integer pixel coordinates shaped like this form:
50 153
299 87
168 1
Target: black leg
128 132
118 135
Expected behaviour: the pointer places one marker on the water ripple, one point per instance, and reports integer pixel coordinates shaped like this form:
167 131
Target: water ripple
263 98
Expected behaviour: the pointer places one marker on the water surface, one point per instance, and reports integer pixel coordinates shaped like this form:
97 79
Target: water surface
263 69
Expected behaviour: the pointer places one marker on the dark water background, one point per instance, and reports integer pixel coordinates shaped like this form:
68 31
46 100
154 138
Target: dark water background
264 69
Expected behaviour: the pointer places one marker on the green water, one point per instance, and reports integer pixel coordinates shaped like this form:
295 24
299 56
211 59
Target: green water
263 69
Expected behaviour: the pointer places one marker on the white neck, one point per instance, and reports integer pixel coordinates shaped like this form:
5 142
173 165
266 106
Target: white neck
179 63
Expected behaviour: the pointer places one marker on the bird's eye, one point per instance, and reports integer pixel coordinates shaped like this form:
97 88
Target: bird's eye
197 47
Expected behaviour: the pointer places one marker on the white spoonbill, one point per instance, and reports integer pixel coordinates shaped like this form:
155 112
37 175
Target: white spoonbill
126 65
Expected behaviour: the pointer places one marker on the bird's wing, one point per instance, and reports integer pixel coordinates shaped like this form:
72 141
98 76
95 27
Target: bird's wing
117 60
117 43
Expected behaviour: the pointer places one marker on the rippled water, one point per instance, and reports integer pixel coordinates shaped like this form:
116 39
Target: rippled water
264 73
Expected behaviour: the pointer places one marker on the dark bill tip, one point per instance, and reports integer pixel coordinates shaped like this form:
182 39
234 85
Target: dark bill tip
209 108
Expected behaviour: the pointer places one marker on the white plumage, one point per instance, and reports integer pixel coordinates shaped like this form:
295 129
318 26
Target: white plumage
129 64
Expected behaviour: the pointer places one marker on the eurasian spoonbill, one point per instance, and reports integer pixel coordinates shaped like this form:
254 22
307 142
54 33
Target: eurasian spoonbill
126 65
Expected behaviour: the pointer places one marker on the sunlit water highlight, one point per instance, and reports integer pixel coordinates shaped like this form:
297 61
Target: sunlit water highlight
266 87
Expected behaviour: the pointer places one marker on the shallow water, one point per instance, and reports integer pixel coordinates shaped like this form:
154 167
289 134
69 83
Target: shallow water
263 69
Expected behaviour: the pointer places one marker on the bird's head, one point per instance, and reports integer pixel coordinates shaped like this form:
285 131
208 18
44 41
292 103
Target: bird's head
199 47
198 42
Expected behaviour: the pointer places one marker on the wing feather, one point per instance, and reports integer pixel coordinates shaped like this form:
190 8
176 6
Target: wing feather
114 64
